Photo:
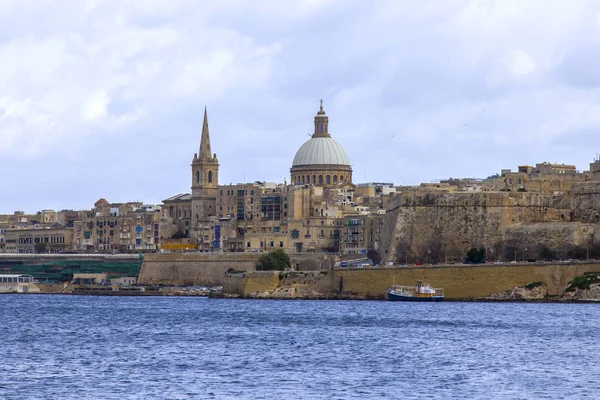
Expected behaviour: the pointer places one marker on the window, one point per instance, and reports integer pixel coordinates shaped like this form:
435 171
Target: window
328 179
280 244
320 179
209 176
248 244
295 233
314 180
197 176
334 178
272 243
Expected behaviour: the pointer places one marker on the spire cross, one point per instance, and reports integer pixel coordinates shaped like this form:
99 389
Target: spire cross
321 101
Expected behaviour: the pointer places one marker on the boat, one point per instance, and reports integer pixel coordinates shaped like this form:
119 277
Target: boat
421 292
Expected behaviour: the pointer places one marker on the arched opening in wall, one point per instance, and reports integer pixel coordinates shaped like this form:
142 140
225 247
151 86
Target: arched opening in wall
342 178
314 180
328 179
197 176
321 128
307 178
320 179
209 176
334 178
303 179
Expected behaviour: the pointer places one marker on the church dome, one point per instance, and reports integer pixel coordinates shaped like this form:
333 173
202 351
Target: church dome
321 160
320 151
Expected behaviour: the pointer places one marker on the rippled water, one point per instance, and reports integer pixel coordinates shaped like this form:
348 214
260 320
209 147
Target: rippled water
61 347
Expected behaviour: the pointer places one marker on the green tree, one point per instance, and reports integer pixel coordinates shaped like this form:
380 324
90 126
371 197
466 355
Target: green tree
276 260
374 256
475 256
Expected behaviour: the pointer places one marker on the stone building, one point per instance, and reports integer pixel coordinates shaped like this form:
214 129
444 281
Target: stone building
119 227
321 160
544 177
179 209
28 240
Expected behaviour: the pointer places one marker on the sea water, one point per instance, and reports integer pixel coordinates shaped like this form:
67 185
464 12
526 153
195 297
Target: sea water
94 347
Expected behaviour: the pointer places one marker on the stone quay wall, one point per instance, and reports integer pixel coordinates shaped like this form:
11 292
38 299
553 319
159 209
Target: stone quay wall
208 269
193 269
458 282
461 282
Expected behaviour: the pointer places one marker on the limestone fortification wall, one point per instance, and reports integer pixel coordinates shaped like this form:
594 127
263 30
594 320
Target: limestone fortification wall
203 269
208 269
459 283
465 282
261 281
448 224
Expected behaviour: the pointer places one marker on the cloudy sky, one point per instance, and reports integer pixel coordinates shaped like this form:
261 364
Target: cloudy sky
104 98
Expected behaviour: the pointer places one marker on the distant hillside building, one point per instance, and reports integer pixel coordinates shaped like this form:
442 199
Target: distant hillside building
544 177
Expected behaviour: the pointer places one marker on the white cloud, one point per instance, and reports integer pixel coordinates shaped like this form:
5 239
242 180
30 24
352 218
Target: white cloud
521 63
139 67
420 85
95 106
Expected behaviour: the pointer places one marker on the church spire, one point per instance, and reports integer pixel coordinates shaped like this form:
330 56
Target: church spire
205 152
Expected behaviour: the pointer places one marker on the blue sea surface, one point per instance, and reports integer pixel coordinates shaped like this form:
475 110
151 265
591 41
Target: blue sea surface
93 347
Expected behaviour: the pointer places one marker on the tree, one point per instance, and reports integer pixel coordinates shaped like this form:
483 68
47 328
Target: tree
577 252
374 256
403 252
475 256
546 253
276 260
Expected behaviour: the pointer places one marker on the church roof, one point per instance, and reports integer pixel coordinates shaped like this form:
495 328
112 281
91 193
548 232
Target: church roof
179 197
319 151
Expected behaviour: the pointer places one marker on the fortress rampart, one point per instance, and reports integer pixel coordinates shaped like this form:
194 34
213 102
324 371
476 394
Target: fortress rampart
459 282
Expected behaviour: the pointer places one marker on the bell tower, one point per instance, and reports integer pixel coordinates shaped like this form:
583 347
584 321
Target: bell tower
205 179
